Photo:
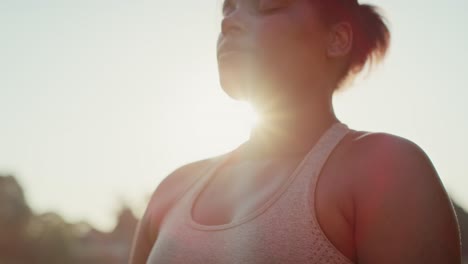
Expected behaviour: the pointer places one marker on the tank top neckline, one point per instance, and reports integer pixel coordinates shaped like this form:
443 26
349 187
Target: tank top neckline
270 201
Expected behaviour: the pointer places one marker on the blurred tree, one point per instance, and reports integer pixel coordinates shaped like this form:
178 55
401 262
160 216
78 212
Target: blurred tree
126 223
29 238
123 233
15 215
50 239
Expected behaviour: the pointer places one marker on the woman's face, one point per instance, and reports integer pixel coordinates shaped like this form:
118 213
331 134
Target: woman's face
270 49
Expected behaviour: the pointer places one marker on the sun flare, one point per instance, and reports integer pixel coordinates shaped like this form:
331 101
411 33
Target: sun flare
250 115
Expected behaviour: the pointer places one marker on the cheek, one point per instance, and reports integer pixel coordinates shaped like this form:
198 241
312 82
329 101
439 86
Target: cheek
285 43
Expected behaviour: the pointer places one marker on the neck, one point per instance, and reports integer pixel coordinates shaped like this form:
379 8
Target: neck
290 131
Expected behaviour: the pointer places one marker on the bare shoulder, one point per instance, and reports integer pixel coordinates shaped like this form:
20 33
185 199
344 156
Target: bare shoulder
383 156
403 213
172 187
177 181
165 194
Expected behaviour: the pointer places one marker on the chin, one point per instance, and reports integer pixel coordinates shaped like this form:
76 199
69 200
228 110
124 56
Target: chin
236 72
232 78
233 88
240 77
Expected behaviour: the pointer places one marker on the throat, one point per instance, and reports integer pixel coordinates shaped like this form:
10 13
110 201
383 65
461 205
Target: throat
277 137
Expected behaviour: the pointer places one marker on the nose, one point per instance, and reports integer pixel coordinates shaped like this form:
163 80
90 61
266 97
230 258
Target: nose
232 25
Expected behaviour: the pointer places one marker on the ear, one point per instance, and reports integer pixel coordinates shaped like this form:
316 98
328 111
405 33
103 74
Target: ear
340 40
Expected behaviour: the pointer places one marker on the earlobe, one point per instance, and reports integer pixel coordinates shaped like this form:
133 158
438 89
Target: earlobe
340 40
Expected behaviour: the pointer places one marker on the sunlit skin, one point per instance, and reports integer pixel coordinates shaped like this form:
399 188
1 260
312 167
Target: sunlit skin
285 62
279 56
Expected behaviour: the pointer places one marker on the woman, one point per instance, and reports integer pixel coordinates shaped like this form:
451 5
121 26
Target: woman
305 188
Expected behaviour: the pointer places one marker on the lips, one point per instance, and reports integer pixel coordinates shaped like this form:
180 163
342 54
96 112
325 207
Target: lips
226 48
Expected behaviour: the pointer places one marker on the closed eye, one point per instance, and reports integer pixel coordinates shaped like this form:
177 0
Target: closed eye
271 6
262 6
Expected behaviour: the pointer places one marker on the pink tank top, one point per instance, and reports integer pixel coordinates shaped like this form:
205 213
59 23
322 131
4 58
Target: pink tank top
284 230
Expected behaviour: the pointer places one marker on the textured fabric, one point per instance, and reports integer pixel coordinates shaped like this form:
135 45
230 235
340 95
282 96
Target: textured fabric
283 230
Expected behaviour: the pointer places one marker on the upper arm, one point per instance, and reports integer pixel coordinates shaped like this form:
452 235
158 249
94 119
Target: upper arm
170 188
403 213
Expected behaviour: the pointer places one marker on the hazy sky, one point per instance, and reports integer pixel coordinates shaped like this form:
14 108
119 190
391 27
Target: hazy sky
101 99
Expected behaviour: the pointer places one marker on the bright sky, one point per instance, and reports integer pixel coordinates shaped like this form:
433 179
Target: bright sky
101 99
